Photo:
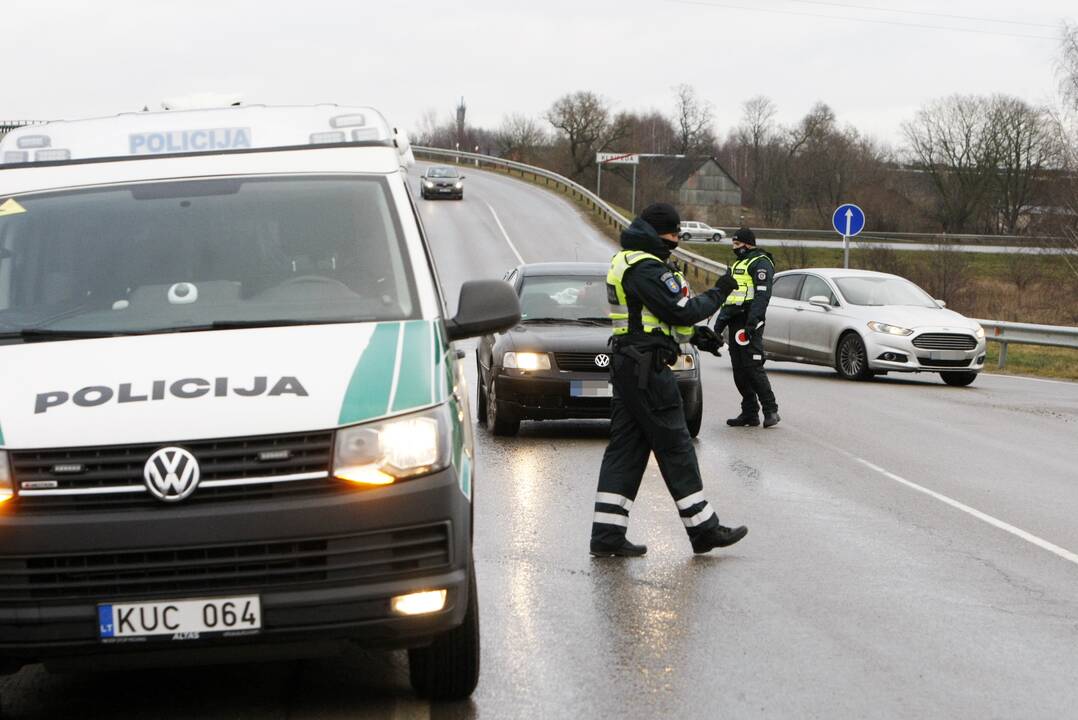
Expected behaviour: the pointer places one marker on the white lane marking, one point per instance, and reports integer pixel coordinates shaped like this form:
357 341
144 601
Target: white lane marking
505 234
982 516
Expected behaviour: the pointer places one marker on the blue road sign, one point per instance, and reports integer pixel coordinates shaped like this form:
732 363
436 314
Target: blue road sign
848 220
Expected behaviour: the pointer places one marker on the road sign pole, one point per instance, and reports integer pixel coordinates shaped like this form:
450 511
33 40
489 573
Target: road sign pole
846 251
599 181
632 205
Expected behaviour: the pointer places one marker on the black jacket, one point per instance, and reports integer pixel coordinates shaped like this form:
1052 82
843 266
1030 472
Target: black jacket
653 284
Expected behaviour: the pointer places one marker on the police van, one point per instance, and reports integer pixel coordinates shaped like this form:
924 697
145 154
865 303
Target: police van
232 425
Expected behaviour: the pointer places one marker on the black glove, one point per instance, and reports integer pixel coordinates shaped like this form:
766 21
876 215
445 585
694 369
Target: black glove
752 327
726 283
705 339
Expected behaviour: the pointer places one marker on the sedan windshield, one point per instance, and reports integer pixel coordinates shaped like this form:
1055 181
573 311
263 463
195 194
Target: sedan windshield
883 291
172 255
569 297
441 172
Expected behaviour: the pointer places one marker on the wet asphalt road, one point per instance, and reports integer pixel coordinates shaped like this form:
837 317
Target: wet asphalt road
856 594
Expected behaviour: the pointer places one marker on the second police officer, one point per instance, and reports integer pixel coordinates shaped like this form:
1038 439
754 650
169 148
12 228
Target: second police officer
743 314
652 313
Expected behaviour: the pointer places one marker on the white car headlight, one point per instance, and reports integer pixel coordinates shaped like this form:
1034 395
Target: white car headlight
383 452
526 361
888 329
979 333
7 488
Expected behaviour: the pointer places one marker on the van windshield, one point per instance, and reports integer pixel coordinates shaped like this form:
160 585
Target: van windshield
171 255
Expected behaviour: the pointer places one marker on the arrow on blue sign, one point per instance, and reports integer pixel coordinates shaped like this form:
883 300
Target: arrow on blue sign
848 220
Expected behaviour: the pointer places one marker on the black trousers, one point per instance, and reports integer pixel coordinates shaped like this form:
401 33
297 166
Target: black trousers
749 374
645 421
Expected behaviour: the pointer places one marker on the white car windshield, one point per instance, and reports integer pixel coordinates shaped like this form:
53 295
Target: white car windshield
883 291
172 255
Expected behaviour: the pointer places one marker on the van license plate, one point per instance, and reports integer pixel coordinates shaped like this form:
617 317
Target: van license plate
180 619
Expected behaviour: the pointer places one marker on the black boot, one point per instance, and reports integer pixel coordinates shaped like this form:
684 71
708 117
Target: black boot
617 549
720 536
771 419
744 420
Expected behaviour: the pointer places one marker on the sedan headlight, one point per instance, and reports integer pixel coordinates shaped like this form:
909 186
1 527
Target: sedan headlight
889 329
389 450
7 488
428 184
979 333
526 361
459 185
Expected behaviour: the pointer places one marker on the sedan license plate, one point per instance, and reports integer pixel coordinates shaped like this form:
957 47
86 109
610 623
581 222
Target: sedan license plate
590 388
180 619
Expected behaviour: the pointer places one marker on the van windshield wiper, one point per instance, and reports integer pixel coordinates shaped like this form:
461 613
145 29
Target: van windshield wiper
38 333
42 333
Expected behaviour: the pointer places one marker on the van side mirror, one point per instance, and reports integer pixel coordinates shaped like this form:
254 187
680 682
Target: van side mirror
821 301
485 306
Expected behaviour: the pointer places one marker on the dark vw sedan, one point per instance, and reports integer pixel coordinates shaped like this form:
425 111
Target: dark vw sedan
441 181
555 363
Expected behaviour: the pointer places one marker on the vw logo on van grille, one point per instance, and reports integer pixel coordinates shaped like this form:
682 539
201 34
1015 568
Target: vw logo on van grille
602 360
171 474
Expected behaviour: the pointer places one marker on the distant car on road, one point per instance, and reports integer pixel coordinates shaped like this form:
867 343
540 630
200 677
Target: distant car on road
866 323
441 181
556 363
692 230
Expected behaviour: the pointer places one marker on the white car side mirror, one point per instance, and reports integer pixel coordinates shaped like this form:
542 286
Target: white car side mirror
820 300
941 303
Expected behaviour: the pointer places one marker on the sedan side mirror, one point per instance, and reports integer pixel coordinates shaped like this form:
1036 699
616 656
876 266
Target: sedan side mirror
485 306
941 303
821 301
463 176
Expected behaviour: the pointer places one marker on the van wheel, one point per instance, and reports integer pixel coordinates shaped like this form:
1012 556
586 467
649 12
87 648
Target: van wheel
851 360
498 421
448 668
958 379
694 418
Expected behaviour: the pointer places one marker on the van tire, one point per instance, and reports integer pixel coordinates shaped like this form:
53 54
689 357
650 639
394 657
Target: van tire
448 668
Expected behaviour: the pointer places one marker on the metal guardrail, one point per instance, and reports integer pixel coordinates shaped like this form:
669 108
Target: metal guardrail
1006 333
1032 241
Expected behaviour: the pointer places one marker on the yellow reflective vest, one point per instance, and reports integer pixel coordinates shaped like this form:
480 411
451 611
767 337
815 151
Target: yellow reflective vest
619 306
746 287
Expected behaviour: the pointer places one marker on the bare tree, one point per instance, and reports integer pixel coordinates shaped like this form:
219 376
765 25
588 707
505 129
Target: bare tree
519 136
752 135
1068 67
951 140
693 122
585 120
1026 143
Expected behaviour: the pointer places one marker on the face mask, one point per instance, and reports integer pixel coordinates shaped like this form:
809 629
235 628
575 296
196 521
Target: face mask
670 244
741 252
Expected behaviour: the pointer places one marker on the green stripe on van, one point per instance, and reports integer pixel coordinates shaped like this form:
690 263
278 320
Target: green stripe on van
414 382
367 396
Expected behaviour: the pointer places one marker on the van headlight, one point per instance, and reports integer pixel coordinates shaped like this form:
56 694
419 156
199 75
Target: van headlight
526 361
7 487
888 329
383 452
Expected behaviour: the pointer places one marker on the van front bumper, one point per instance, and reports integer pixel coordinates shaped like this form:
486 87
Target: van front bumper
325 568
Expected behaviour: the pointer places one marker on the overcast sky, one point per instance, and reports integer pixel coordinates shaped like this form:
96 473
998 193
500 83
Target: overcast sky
875 66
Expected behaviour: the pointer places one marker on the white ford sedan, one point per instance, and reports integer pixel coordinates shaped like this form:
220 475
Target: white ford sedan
866 323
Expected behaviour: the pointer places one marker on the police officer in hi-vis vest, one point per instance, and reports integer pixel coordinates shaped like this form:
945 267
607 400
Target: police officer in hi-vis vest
652 313
743 313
